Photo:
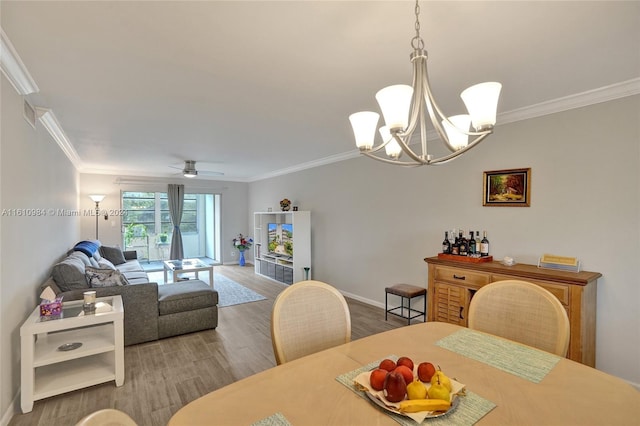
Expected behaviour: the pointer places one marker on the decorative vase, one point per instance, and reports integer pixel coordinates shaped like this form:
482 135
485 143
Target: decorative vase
242 262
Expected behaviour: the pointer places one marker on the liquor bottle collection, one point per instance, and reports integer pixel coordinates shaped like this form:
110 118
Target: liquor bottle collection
471 246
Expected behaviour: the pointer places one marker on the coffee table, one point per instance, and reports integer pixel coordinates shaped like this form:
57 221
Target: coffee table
184 266
52 362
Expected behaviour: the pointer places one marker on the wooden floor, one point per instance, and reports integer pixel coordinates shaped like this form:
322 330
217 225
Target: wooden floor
162 376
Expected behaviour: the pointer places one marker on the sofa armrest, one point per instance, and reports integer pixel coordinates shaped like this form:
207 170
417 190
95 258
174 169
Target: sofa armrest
140 303
130 254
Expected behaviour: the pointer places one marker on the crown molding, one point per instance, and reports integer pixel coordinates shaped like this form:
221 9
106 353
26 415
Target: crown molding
578 100
554 106
14 69
50 122
308 165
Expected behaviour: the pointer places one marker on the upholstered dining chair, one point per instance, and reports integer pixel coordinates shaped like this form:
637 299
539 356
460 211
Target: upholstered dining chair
523 312
107 417
307 317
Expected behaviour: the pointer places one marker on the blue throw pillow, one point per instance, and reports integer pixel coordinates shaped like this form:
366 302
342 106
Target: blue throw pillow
86 247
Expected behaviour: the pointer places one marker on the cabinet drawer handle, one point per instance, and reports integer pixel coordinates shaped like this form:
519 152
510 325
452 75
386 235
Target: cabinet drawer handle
459 278
461 309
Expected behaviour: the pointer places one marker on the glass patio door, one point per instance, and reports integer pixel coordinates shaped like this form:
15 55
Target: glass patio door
147 228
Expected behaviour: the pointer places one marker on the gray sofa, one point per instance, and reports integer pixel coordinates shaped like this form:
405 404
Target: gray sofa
152 311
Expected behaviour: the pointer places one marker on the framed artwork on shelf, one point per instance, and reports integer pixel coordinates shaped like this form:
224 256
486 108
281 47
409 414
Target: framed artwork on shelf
507 188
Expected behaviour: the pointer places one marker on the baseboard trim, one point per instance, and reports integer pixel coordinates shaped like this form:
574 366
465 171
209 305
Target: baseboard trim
12 410
362 299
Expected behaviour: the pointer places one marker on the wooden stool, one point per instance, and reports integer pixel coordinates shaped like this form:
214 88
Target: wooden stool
405 291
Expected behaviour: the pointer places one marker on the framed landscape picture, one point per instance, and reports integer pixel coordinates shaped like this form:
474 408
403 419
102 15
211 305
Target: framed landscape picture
507 188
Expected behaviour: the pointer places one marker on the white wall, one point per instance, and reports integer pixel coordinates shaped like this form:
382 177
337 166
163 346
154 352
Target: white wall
34 174
234 196
373 224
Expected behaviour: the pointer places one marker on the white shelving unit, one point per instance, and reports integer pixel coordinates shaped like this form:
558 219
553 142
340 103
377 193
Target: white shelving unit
274 260
47 371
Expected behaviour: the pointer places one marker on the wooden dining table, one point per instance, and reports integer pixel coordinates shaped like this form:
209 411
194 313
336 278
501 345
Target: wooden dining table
514 390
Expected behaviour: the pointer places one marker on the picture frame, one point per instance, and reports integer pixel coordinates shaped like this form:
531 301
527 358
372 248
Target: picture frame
507 188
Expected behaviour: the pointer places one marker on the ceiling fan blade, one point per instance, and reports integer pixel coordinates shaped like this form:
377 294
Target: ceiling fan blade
190 165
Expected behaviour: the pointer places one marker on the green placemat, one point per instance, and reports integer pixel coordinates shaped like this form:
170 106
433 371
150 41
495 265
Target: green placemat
276 419
522 361
472 407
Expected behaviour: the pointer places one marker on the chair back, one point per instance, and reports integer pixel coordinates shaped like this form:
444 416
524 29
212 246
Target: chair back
107 417
523 312
307 317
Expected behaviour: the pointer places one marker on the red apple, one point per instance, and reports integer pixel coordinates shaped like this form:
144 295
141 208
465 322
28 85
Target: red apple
387 364
426 370
406 373
377 378
403 360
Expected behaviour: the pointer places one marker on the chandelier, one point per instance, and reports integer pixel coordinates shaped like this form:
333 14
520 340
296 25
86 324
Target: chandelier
405 109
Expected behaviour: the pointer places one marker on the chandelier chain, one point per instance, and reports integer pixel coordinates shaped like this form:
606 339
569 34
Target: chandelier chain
417 42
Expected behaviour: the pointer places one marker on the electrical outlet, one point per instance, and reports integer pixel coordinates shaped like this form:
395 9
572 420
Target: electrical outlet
233 254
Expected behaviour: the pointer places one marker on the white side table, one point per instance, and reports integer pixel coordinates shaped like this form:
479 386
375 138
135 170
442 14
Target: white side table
47 371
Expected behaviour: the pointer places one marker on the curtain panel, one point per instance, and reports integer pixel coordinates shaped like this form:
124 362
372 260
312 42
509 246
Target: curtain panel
175 195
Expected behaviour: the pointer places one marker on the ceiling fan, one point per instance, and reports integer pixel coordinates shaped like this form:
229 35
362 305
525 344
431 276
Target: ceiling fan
189 170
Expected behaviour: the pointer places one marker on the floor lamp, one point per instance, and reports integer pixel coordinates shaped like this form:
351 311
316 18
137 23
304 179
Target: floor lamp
97 199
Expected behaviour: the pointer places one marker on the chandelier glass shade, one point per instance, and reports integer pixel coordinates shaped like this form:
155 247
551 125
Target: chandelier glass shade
406 109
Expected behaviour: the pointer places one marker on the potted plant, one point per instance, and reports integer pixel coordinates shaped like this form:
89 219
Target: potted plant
163 237
134 230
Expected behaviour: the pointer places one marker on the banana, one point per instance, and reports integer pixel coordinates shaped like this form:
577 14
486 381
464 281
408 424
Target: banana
415 405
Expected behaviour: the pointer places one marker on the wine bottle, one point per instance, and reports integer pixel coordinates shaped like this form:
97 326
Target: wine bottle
478 242
463 250
484 245
455 248
446 245
472 244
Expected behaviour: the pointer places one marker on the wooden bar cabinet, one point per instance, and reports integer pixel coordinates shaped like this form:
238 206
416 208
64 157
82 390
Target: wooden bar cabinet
452 285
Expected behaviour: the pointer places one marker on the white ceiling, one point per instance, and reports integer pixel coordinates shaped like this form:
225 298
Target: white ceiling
253 89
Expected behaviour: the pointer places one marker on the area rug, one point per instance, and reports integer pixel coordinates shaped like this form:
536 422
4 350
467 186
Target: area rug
229 292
